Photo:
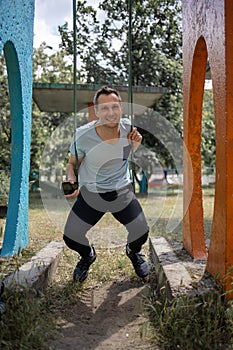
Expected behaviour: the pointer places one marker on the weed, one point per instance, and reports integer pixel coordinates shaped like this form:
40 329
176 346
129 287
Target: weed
191 322
4 187
25 323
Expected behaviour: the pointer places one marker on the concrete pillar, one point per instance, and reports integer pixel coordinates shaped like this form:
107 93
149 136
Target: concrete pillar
16 39
208 30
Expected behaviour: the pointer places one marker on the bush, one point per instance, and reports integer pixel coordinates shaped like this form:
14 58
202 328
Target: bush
4 187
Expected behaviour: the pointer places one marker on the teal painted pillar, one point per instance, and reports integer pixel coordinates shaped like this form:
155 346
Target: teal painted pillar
16 40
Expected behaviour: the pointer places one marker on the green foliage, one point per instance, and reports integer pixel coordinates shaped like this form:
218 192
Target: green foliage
5 129
208 146
156 51
47 68
158 135
43 124
51 67
4 187
103 45
102 48
191 322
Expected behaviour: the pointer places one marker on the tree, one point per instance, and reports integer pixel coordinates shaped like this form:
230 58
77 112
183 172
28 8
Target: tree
156 49
46 68
208 146
53 68
5 128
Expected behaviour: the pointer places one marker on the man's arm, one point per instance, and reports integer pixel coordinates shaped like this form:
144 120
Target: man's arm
70 174
135 137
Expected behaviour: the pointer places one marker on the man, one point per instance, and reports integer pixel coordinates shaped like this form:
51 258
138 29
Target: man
102 148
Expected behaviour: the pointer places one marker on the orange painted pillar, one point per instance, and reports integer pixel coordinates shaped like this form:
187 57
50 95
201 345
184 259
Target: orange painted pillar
91 112
208 31
194 237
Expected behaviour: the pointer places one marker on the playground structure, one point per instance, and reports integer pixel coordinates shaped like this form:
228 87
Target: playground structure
207 35
207 28
16 40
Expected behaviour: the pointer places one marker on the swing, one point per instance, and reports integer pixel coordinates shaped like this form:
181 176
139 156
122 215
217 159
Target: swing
130 92
68 188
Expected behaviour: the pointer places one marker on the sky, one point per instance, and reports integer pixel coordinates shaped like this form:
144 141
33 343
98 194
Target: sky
49 14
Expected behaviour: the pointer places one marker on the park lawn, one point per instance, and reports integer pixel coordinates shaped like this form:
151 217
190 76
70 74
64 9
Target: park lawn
158 207
23 307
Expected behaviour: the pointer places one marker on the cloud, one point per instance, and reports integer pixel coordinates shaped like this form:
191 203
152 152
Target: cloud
48 16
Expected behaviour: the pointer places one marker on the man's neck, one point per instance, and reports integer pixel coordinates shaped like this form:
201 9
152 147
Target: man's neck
108 134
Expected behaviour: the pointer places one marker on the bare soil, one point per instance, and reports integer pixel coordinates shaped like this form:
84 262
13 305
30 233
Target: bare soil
109 317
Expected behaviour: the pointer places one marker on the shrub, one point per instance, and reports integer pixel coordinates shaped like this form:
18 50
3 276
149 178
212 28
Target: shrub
4 187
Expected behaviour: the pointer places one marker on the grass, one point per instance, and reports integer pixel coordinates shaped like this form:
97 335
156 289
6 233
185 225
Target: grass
31 317
191 322
200 322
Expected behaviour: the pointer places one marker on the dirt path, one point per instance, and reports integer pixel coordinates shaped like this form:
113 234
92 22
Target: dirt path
109 317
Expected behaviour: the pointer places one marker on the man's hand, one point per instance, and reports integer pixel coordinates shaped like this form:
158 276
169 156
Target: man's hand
135 137
70 175
76 192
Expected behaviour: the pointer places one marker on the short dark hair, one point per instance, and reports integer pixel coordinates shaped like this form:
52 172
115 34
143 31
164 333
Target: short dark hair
105 90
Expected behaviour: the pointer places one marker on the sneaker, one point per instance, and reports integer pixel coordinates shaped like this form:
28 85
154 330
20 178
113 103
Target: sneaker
141 267
81 270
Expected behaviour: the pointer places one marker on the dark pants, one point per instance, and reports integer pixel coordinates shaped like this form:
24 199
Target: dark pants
89 209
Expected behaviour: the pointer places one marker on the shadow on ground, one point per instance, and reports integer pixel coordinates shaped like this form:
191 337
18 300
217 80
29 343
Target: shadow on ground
109 317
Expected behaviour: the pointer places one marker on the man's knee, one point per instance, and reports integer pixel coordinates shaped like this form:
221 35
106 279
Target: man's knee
69 242
82 249
137 244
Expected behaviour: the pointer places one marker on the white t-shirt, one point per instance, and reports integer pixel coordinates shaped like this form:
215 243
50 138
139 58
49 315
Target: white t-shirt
105 166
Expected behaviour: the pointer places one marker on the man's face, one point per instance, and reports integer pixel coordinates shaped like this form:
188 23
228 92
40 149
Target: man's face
109 110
